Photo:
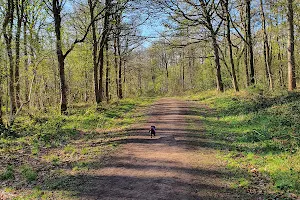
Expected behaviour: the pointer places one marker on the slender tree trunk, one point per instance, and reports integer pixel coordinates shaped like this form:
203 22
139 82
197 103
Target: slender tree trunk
124 72
86 96
26 61
267 55
167 70
246 61
220 86
120 68
95 49
56 9
116 64
1 94
190 70
249 40
18 34
104 38
101 64
7 104
107 73
279 57
140 80
103 42
291 48
183 70
7 33
32 62
226 11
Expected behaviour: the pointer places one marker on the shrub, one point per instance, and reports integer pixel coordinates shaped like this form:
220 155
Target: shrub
8 173
6 132
28 173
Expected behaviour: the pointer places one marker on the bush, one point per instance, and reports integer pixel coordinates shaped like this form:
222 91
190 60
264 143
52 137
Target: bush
8 173
28 173
6 132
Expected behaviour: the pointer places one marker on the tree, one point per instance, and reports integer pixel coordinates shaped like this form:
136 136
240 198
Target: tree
205 15
103 41
20 15
7 29
228 36
291 48
267 53
249 41
56 8
92 5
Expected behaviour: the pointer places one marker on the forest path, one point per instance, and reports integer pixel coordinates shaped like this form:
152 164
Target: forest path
177 164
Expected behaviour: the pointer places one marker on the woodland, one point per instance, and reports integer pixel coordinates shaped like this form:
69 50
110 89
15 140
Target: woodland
71 70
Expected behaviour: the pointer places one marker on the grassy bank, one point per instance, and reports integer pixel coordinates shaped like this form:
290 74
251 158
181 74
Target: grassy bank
49 146
258 134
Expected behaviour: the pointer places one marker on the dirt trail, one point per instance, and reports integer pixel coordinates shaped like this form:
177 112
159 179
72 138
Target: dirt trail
176 164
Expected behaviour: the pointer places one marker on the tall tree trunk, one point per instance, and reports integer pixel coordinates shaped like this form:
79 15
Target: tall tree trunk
267 53
116 64
140 80
167 70
18 34
107 72
183 70
26 61
56 9
246 65
1 94
118 17
7 33
291 48
227 14
86 95
220 86
103 42
246 61
120 67
124 72
32 60
249 40
101 64
281 68
95 49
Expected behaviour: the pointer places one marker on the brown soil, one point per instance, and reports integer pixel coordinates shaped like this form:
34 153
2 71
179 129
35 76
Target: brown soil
179 163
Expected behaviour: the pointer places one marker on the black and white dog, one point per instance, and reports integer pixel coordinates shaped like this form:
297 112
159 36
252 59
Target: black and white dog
152 131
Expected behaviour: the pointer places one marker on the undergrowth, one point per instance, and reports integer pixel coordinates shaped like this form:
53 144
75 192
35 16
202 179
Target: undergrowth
261 135
40 147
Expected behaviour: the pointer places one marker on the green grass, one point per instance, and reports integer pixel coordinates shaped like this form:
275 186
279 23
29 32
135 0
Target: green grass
260 133
70 144
53 130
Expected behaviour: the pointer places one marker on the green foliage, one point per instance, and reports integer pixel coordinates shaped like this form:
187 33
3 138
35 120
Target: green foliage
35 148
69 149
6 132
261 130
8 173
28 173
52 133
80 166
54 159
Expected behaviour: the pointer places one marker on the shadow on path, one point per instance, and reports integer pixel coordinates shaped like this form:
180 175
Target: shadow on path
179 163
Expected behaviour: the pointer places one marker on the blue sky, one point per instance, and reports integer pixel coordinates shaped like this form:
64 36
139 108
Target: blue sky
152 30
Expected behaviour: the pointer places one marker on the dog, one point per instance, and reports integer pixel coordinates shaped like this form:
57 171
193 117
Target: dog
152 131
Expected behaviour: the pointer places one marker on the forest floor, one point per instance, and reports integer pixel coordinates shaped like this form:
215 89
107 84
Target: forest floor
183 161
